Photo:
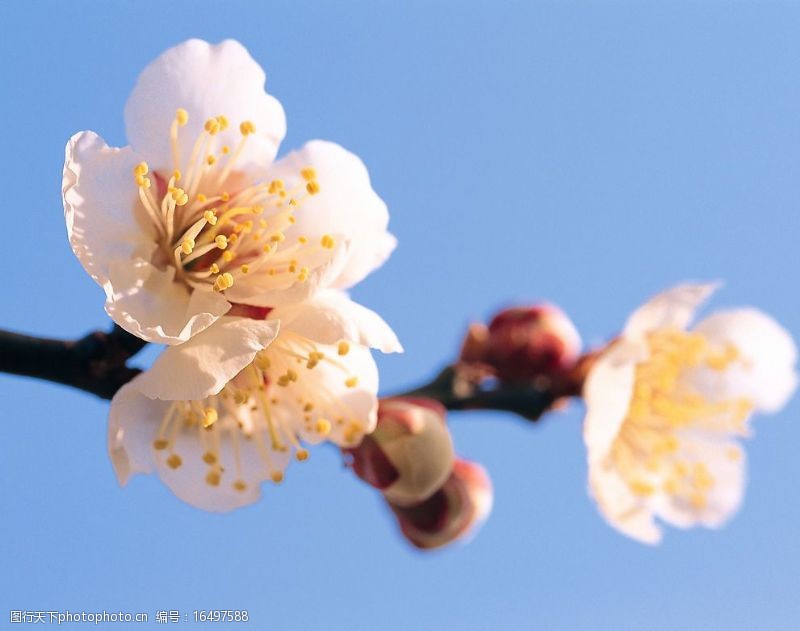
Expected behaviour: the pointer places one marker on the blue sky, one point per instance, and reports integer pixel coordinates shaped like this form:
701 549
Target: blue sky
585 153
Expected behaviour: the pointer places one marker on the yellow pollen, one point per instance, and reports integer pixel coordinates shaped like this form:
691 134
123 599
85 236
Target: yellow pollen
245 269
187 246
223 122
181 116
222 241
141 169
247 128
210 416
343 348
323 426
275 186
225 197
228 256
179 196
223 282
277 477
213 478
209 458
212 126
174 461
262 361
210 160
160 444
201 198
277 237
308 174
214 269
303 240
301 455
640 487
211 217
240 485
312 188
327 242
176 174
351 382
226 149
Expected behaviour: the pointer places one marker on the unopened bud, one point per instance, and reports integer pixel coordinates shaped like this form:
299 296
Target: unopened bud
409 454
527 342
454 512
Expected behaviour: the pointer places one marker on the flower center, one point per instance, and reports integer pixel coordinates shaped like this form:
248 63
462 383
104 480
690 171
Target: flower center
275 403
648 452
215 229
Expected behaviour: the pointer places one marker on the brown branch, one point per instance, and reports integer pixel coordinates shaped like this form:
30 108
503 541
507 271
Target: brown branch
528 401
95 363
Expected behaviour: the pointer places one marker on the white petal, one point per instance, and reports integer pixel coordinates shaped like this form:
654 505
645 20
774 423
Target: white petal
99 197
133 426
331 316
725 496
628 513
146 302
204 364
607 394
207 81
673 308
345 205
768 375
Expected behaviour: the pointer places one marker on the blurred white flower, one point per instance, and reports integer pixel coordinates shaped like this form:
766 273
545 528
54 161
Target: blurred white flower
217 415
194 215
665 406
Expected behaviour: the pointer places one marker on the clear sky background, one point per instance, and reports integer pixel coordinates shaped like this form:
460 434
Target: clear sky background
589 154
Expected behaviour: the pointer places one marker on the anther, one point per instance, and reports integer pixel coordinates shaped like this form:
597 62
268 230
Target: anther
327 242
174 461
301 455
211 217
181 116
160 443
308 174
222 241
247 128
312 187
323 426
210 417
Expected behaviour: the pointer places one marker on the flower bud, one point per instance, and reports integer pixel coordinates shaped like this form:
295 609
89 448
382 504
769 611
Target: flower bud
409 454
527 342
455 511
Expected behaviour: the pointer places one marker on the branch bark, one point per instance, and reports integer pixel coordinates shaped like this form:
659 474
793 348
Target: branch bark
95 363
526 401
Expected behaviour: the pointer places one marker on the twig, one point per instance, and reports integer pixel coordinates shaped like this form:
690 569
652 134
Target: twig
528 401
95 363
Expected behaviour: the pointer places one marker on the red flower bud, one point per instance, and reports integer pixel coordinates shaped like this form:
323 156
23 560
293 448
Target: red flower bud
455 511
409 454
527 342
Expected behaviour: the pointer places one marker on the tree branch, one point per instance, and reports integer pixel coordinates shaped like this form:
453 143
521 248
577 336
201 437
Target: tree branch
527 401
95 363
